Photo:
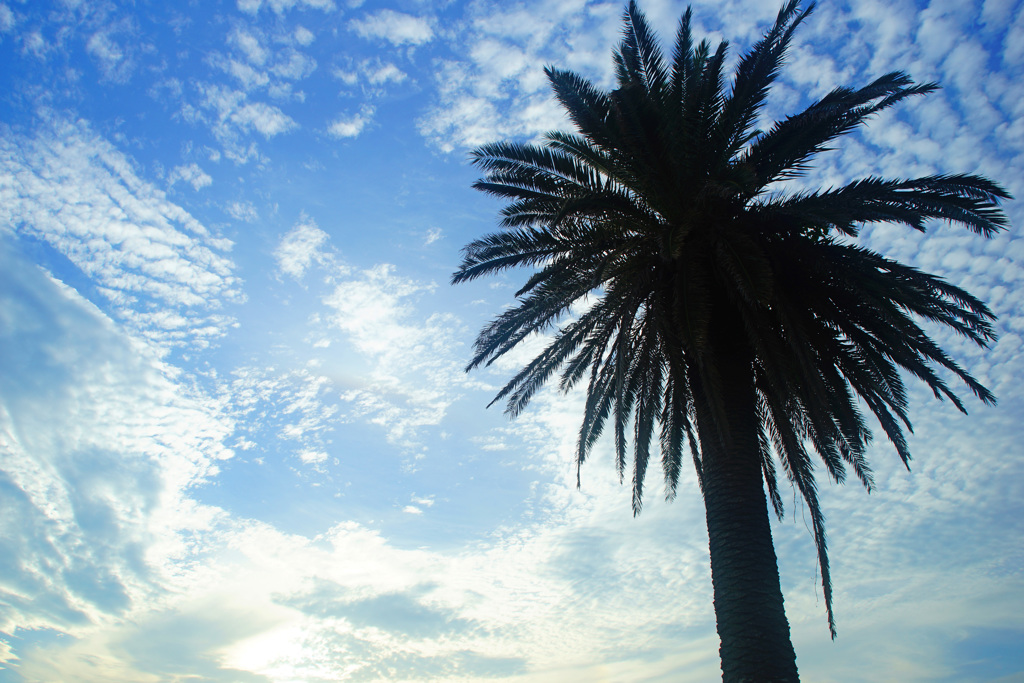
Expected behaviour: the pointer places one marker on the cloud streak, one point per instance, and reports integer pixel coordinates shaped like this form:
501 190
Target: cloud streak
155 265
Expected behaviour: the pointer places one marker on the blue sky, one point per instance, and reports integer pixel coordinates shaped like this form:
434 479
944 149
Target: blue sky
236 439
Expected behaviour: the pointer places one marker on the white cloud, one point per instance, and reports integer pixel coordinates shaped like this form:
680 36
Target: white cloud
115 64
303 36
413 370
293 65
312 457
373 72
236 115
281 6
77 192
287 411
498 89
1013 50
101 447
248 77
346 77
242 211
299 248
351 126
410 367
265 118
283 605
249 45
6 19
501 60
191 174
996 12
35 44
259 66
395 27
384 73
935 24
168 88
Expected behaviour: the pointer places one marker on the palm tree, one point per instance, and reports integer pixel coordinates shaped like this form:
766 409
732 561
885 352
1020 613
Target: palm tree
734 317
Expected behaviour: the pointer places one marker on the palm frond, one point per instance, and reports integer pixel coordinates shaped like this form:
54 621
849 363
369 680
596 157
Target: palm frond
786 148
640 55
755 73
587 107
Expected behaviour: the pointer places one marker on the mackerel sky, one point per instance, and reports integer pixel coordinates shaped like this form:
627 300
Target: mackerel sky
236 440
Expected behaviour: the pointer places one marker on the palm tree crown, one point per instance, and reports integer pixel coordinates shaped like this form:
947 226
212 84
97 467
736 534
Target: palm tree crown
719 310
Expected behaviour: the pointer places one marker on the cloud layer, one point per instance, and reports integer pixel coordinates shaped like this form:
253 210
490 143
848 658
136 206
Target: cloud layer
236 439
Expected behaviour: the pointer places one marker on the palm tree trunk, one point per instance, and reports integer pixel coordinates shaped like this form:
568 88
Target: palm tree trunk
751 618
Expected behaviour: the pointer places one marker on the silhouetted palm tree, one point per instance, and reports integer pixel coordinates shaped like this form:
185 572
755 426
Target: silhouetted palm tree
715 307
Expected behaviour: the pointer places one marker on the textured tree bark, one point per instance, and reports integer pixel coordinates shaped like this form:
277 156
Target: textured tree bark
751 617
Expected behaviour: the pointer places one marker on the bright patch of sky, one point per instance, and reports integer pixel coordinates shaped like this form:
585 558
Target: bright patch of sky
236 439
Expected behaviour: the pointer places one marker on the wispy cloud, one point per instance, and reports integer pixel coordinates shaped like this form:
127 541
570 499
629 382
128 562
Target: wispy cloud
191 174
374 75
281 6
289 412
413 377
6 19
249 45
100 447
351 126
232 107
395 27
497 88
232 118
257 63
299 248
303 36
292 65
157 266
111 57
412 372
242 211
378 73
